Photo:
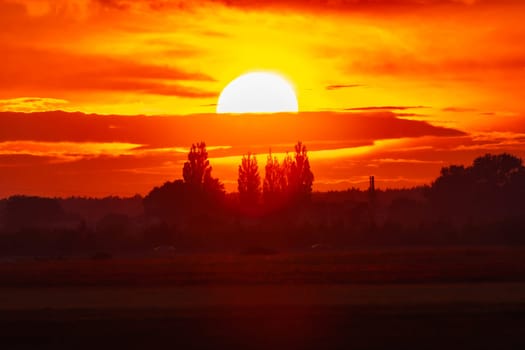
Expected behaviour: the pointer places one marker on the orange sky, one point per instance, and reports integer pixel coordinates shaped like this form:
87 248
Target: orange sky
396 89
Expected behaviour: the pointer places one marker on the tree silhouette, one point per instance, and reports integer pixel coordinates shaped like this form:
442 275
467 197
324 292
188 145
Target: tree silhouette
174 200
494 185
197 169
487 172
498 170
301 177
168 202
285 175
197 173
249 181
29 211
290 180
272 182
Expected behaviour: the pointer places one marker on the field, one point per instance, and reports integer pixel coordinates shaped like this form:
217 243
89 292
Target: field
468 298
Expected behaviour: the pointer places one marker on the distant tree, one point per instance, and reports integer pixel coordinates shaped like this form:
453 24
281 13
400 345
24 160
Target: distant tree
453 179
197 170
273 180
167 202
487 172
249 181
285 171
32 212
300 175
290 180
197 174
494 185
174 201
499 170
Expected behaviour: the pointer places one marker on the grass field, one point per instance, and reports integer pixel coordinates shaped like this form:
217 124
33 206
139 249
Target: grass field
416 265
455 298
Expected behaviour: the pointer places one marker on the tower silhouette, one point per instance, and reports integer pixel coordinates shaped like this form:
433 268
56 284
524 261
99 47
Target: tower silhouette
372 200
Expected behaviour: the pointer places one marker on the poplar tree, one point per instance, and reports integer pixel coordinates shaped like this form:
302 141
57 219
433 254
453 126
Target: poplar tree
249 181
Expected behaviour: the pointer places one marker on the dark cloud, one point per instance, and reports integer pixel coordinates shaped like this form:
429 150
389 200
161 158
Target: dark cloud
232 130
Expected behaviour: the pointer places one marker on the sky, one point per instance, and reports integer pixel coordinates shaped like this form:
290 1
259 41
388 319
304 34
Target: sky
105 97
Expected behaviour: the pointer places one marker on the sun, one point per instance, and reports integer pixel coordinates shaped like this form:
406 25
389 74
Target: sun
258 92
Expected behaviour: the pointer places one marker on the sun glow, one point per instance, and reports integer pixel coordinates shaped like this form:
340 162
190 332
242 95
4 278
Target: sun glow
258 92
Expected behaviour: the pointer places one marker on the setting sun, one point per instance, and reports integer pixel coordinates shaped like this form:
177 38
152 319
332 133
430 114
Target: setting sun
258 92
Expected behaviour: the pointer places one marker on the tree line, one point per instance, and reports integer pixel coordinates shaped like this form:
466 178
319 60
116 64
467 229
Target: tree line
291 179
480 203
285 182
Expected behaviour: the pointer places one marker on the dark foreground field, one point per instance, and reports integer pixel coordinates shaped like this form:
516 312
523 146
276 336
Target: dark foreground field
387 299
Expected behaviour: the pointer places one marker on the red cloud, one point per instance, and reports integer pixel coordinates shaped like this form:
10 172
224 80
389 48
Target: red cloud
230 130
32 71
